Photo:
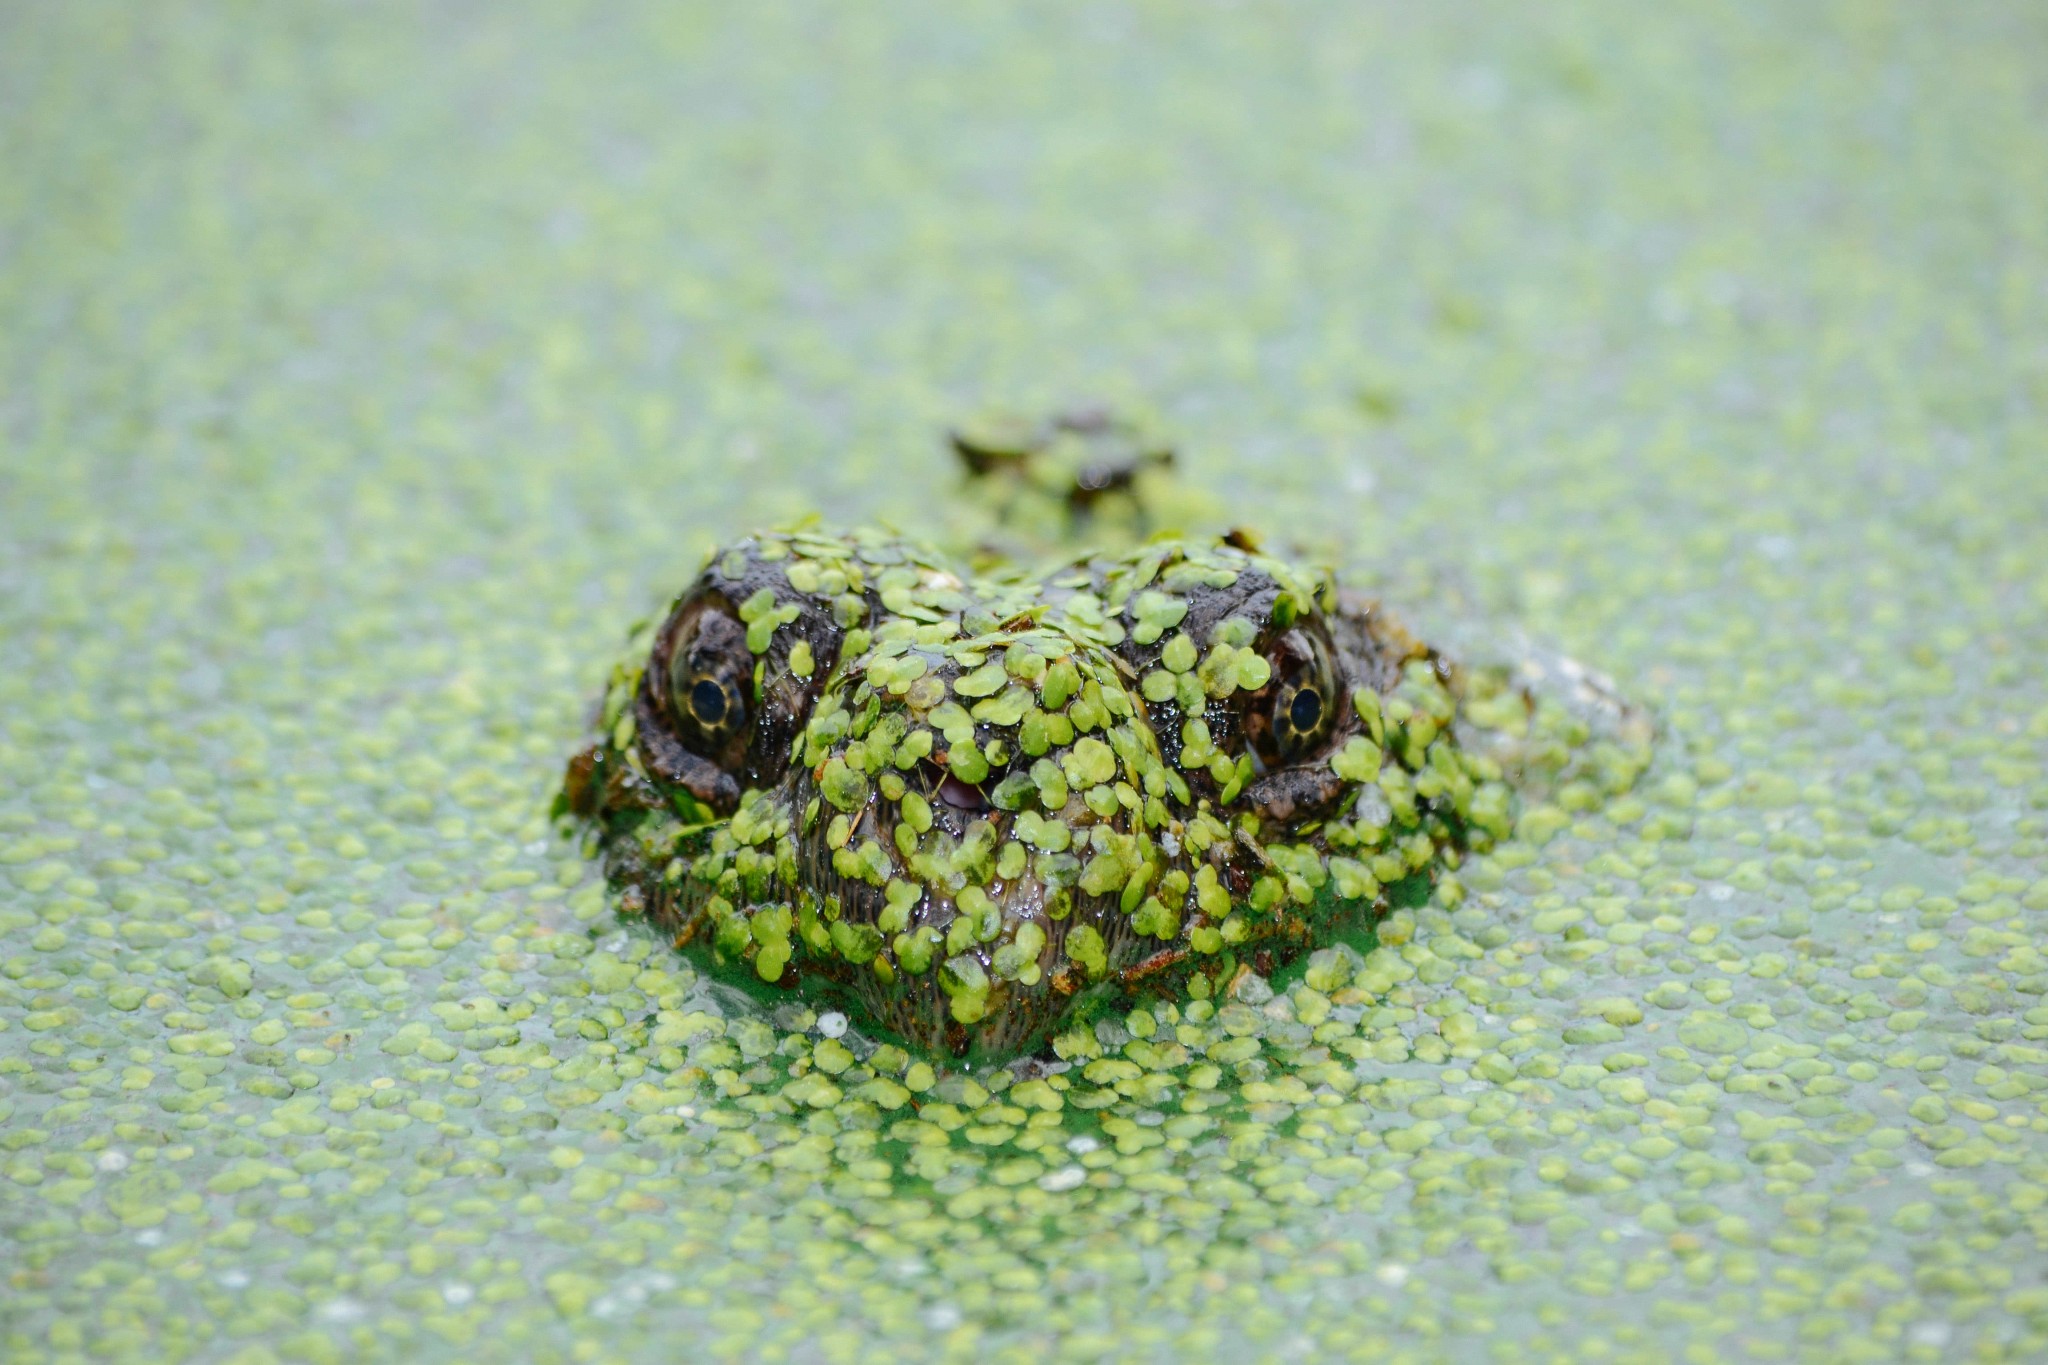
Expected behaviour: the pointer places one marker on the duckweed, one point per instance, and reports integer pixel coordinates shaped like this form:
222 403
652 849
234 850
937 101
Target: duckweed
360 377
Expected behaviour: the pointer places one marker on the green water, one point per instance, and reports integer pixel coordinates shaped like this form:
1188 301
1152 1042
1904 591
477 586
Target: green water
365 371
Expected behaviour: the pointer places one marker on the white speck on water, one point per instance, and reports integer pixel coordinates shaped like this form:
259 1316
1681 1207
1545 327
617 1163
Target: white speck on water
457 1294
149 1237
1082 1145
832 1024
1720 893
942 1317
234 1279
1935 1334
339 1310
111 1160
1065 1178
1393 1274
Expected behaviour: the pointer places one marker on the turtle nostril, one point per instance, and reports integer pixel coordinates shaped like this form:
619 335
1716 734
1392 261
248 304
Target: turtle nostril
952 792
961 795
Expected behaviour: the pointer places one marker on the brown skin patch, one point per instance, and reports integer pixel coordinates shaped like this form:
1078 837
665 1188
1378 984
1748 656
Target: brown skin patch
1162 961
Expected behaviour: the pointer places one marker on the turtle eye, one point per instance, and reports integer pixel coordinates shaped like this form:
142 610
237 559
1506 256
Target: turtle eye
711 703
710 673
1302 712
1300 707
1305 711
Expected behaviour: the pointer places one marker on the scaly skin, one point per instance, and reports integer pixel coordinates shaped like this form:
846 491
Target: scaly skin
969 805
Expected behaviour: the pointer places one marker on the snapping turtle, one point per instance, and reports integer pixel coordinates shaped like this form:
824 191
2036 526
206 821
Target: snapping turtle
969 804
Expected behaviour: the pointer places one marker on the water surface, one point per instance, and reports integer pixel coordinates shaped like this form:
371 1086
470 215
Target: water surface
364 374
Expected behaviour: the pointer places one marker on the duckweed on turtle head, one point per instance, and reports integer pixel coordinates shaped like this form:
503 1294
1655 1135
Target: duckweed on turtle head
977 806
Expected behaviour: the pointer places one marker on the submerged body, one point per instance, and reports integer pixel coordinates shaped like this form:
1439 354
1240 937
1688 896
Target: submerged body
970 804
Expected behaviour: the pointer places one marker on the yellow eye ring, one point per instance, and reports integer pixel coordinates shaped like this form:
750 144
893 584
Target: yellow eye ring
1303 710
706 700
710 701
708 673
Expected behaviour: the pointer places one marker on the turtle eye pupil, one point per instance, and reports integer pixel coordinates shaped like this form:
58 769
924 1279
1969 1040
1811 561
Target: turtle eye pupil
1305 710
707 702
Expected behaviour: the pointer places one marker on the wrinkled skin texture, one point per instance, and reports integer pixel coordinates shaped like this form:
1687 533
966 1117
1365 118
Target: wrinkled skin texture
968 806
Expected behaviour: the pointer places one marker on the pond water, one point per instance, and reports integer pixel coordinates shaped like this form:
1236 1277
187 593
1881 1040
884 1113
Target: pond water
365 373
